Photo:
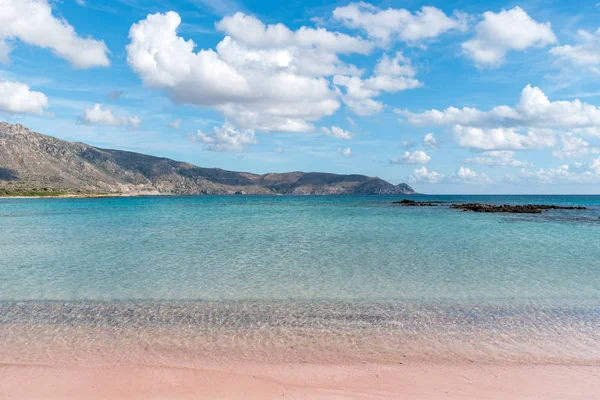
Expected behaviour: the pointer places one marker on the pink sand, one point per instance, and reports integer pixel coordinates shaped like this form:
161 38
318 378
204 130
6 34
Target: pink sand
301 381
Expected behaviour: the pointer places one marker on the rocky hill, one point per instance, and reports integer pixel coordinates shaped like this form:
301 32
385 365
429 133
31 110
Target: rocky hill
34 163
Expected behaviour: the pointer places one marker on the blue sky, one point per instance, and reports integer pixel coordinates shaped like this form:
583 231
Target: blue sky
451 97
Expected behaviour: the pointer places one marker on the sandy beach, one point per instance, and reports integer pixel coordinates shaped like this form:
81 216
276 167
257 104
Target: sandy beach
302 298
301 381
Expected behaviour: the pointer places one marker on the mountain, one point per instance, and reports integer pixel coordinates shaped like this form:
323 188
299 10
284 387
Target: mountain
34 163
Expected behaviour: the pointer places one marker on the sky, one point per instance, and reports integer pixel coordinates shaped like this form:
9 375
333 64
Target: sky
447 96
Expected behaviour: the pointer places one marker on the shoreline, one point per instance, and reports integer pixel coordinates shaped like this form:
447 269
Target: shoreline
420 381
84 196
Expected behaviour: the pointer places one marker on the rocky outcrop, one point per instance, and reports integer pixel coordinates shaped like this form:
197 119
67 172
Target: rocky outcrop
31 162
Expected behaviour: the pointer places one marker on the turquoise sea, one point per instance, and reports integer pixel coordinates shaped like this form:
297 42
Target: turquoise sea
349 275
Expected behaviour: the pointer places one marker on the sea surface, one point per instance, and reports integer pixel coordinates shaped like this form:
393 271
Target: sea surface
170 280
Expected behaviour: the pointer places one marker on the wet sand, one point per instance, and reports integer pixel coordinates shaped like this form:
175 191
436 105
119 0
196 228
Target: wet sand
123 350
301 381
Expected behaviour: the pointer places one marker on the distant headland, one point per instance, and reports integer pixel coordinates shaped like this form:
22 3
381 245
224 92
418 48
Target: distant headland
36 165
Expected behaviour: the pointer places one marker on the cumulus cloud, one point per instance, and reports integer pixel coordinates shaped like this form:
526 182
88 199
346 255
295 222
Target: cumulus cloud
398 24
32 22
595 166
261 77
468 176
175 124
344 152
430 141
18 98
534 110
533 123
391 75
573 147
501 138
498 159
99 115
226 138
252 32
575 173
416 157
337 132
501 32
585 54
423 175
462 175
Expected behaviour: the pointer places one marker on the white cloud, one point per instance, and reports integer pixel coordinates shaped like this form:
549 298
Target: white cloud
337 132
565 173
253 33
534 110
400 24
533 123
573 147
595 166
175 124
462 175
416 157
226 138
391 75
16 97
423 175
344 152
498 159
501 138
501 32
99 115
586 54
261 77
430 141
397 66
279 150
466 175
32 22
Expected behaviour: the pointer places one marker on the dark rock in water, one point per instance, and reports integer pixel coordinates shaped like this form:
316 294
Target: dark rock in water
414 203
553 207
513 209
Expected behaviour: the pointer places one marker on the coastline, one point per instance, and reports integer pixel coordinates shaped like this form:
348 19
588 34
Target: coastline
68 197
421 381
85 196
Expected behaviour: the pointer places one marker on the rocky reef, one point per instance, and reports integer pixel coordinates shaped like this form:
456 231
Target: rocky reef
413 203
512 209
489 208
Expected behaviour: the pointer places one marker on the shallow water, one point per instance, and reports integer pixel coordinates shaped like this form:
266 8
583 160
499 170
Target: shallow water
171 279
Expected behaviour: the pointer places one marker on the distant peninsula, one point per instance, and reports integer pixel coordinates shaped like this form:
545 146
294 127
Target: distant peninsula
33 164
